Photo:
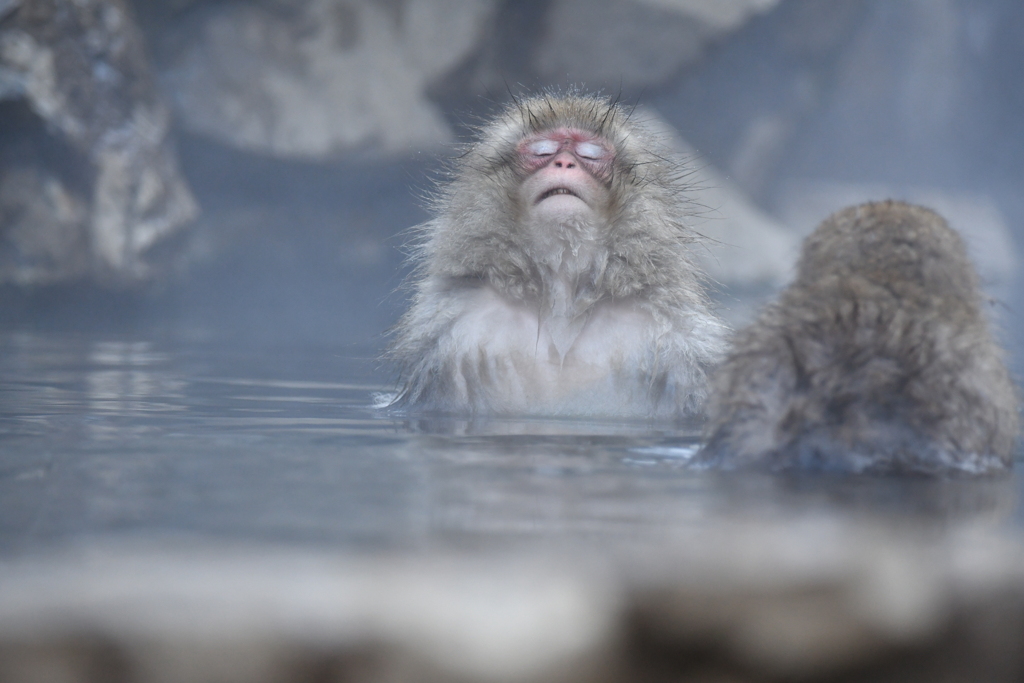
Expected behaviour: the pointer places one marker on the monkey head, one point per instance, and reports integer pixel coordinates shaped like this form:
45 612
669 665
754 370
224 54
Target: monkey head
558 178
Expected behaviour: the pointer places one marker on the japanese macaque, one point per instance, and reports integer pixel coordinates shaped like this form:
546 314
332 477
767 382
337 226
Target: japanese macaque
556 278
878 358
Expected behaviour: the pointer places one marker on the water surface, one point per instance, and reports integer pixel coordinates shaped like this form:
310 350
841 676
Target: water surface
140 438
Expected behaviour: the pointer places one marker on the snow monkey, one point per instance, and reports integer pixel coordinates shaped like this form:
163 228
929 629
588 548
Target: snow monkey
878 358
556 276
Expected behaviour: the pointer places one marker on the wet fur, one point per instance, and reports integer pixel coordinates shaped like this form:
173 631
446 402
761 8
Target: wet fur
878 358
477 246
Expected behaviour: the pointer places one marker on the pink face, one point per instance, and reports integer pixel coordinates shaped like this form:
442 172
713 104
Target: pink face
590 151
566 166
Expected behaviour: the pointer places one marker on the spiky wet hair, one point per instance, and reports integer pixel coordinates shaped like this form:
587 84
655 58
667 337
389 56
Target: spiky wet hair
646 221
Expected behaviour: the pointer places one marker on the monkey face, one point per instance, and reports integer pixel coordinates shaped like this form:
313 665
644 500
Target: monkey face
567 173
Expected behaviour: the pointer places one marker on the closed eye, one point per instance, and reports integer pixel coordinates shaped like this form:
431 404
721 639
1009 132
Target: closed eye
542 148
588 150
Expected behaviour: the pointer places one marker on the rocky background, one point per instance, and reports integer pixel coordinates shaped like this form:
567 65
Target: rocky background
210 164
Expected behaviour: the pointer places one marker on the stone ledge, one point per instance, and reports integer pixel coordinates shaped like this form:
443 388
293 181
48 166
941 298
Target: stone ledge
735 601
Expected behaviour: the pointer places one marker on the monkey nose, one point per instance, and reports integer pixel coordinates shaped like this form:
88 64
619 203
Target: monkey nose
564 160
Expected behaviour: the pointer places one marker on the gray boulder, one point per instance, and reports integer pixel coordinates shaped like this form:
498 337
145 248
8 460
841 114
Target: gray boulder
81 69
323 78
633 43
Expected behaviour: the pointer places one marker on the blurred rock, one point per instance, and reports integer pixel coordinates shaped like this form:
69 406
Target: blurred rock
913 93
823 600
44 227
633 42
750 249
901 93
81 68
318 78
746 248
253 617
751 101
826 601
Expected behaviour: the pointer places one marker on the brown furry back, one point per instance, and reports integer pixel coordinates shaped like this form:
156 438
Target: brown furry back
877 358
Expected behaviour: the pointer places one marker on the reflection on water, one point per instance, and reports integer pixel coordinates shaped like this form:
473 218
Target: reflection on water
105 438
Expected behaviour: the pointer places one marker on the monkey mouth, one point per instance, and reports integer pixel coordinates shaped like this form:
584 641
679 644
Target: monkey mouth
557 191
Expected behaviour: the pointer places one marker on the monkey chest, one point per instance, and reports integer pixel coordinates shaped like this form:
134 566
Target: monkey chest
511 357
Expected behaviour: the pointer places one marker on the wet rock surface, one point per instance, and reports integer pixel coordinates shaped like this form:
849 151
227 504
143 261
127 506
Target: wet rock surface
737 601
843 603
